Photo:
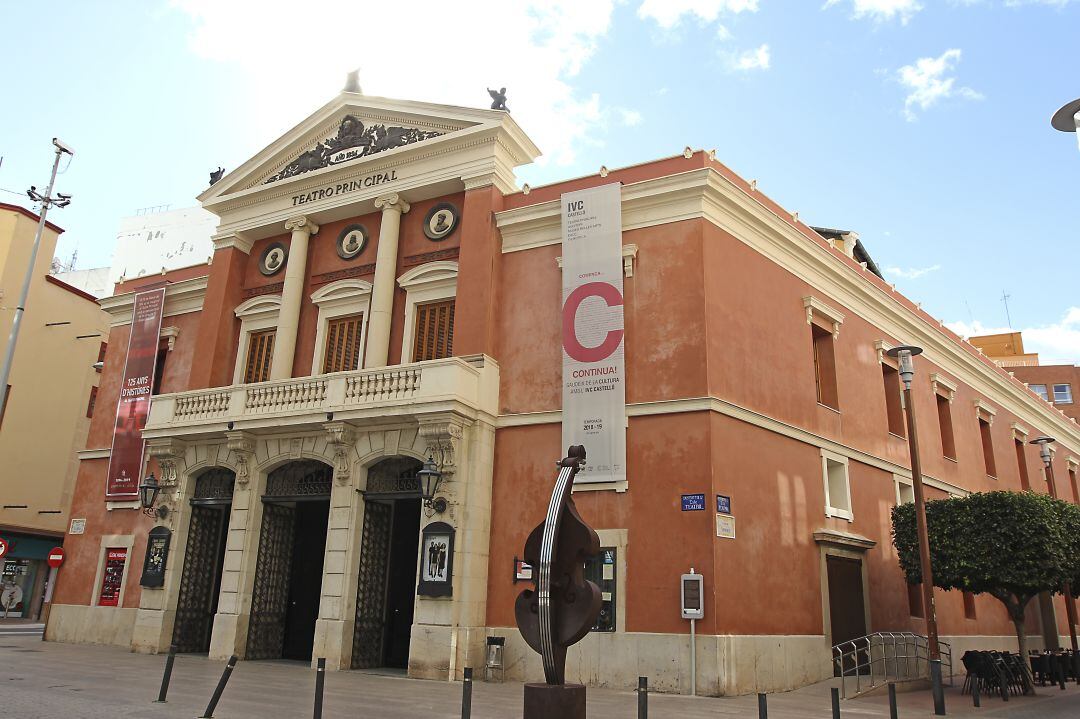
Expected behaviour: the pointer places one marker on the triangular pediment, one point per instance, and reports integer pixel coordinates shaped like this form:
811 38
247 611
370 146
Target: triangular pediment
353 129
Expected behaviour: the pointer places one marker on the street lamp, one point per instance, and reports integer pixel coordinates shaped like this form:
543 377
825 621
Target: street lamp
428 479
1044 443
148 493
903 355
1067 118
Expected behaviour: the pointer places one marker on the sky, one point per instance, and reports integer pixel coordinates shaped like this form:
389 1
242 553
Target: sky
923 125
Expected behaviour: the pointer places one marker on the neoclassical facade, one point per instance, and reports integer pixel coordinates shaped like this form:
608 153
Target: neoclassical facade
382 292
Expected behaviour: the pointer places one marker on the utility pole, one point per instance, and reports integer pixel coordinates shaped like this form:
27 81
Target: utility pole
46 200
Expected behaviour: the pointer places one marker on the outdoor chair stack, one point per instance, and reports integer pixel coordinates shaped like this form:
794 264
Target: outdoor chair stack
992 672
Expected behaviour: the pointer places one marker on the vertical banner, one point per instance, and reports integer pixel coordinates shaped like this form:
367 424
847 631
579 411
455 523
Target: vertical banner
594 372
126 458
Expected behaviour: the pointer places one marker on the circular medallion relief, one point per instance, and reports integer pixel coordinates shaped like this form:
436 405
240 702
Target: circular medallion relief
352 241
273 259
441 220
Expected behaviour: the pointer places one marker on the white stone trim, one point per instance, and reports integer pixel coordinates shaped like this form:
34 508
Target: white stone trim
235 239
1019 431
984 410
816 308
340 299
899 482
257 313
181 298
169 334
1071 462
943 386
831 510
106 542
882 347
430 282
102 453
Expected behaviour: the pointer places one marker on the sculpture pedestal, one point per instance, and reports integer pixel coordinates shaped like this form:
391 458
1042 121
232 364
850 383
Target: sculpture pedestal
554 701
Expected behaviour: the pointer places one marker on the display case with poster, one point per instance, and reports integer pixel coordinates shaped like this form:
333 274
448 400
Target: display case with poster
112 578
437 561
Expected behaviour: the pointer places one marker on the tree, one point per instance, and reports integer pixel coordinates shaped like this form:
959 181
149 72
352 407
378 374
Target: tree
1010 545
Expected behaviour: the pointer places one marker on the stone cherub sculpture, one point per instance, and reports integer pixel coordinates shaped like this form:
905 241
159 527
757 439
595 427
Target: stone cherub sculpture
498 99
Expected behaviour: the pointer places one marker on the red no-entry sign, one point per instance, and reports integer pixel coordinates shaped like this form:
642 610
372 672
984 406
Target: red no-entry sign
3 547
56 557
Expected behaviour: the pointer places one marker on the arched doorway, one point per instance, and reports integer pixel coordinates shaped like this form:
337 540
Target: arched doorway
288 568
204 555
386 587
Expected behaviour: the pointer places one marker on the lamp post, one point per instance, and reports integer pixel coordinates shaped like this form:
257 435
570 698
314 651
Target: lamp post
428 479
1067 118
903 355
1044 442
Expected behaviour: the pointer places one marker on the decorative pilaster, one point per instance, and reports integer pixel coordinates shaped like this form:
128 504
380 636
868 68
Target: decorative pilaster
382 294
242 445
292 295
342 437
168 452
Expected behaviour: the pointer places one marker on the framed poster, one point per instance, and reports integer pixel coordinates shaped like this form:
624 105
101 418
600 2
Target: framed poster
157 554
112 578
436 561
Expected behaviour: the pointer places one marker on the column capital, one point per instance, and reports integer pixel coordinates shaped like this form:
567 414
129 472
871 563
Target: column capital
301 223
391 201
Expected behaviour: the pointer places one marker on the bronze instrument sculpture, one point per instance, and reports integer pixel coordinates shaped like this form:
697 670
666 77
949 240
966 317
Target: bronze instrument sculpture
564 605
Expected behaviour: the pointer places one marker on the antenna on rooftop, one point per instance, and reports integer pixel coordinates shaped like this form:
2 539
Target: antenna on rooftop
1005 298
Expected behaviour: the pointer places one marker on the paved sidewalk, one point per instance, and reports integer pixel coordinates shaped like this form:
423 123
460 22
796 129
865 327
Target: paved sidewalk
40 680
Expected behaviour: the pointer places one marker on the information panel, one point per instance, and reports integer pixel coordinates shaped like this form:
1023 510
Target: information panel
594 381
133 407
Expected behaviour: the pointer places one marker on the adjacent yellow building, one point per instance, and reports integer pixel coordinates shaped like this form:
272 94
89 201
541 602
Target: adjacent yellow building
53 386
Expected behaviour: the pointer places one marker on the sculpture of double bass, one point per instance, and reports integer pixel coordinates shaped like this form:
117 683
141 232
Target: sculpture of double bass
564 605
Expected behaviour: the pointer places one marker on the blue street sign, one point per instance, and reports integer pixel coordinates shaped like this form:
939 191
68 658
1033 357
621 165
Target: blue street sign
693 502
723 504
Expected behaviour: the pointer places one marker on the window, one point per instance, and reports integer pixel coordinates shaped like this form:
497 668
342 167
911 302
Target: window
1021 463
905 493
893 410
944 414
91 402
969 605
1039 389
260 354
1062 394
434 331
837 486
600 570
159 370
1072 481
914 600
987 447
824 367
343 344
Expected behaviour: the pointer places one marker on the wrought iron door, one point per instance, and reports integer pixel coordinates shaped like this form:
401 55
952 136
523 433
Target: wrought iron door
197 598
370 629
270 596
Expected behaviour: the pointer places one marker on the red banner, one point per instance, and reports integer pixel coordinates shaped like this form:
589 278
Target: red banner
126 459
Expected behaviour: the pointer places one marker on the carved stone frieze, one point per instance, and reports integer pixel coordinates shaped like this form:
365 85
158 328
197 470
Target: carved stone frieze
341 440
169 453
443 443
242 445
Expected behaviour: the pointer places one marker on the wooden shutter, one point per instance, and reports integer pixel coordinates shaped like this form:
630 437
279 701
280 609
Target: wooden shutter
260 352
434 331
343 344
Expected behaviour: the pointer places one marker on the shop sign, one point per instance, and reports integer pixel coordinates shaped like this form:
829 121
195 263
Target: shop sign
594 371
723 504
725 526
437 561
693 502
157 554
133 407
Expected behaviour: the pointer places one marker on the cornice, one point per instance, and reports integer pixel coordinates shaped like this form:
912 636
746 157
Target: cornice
180 298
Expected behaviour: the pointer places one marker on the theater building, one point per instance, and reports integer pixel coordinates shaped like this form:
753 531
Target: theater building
381 291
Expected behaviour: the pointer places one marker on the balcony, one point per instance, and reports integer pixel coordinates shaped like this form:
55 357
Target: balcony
466 385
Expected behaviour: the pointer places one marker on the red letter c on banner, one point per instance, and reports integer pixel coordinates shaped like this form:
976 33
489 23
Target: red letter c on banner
610 294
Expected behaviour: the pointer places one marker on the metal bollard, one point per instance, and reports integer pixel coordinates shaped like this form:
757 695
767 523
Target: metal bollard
975 692
762 707
167 676
209 713
1060 663
320 679
835 703
466 694
643 697
892 700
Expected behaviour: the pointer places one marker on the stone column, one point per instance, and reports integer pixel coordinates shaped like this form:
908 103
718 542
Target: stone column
292 295
382 294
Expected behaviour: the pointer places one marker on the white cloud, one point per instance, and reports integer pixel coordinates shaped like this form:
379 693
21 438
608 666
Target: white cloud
630 118
668 13
289 59
882 10
1056 343
929 80
912 273
750 59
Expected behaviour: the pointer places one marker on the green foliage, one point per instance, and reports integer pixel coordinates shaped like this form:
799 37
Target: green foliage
1001 543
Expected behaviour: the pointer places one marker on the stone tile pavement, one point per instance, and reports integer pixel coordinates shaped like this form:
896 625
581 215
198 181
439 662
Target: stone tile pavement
40 680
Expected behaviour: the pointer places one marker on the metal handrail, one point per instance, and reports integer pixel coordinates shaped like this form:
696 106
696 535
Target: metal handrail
888 656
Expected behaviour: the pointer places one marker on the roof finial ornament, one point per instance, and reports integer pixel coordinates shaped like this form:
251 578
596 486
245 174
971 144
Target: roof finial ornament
352 82
498 99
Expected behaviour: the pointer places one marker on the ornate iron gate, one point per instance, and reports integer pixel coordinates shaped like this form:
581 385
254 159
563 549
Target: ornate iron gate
270 596
200 580
370 630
